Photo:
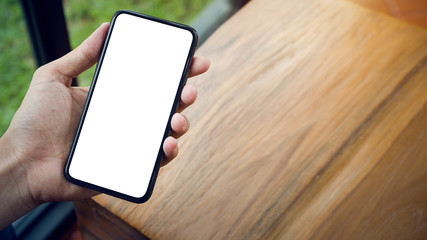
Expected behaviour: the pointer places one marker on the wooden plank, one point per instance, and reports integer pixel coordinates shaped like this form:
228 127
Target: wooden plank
309 124
95 222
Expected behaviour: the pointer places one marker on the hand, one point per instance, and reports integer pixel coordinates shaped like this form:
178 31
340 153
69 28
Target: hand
34 149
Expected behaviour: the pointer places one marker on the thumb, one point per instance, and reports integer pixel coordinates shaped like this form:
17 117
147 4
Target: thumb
81 58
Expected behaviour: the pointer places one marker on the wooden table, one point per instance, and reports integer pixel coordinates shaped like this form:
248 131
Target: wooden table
310 124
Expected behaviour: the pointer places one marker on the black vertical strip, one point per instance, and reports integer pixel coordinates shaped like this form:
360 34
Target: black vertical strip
47 29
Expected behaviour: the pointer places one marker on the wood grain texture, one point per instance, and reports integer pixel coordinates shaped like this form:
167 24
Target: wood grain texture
413 11
95 222
310 124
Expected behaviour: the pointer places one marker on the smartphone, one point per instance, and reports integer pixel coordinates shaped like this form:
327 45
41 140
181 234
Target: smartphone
136 89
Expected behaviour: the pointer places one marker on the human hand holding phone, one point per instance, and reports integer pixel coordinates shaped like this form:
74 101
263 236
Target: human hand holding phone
34 149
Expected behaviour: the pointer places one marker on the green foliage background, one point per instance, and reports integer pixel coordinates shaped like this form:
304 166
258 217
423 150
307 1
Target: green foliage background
83 17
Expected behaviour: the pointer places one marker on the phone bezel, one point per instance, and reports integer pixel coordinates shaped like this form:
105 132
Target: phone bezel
160 154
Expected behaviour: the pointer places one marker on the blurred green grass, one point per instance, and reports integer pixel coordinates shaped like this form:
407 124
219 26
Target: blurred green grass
83 17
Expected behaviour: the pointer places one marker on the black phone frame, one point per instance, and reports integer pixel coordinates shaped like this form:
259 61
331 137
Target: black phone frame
160 154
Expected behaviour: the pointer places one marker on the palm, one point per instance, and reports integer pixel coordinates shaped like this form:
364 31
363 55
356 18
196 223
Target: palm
47 132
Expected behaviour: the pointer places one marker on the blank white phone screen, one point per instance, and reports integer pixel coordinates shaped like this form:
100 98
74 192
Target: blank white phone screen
130 106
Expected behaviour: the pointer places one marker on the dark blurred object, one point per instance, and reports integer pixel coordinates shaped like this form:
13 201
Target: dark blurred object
48 221
47 29
215 14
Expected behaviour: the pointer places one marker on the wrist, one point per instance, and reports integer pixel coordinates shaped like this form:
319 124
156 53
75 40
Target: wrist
16 196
